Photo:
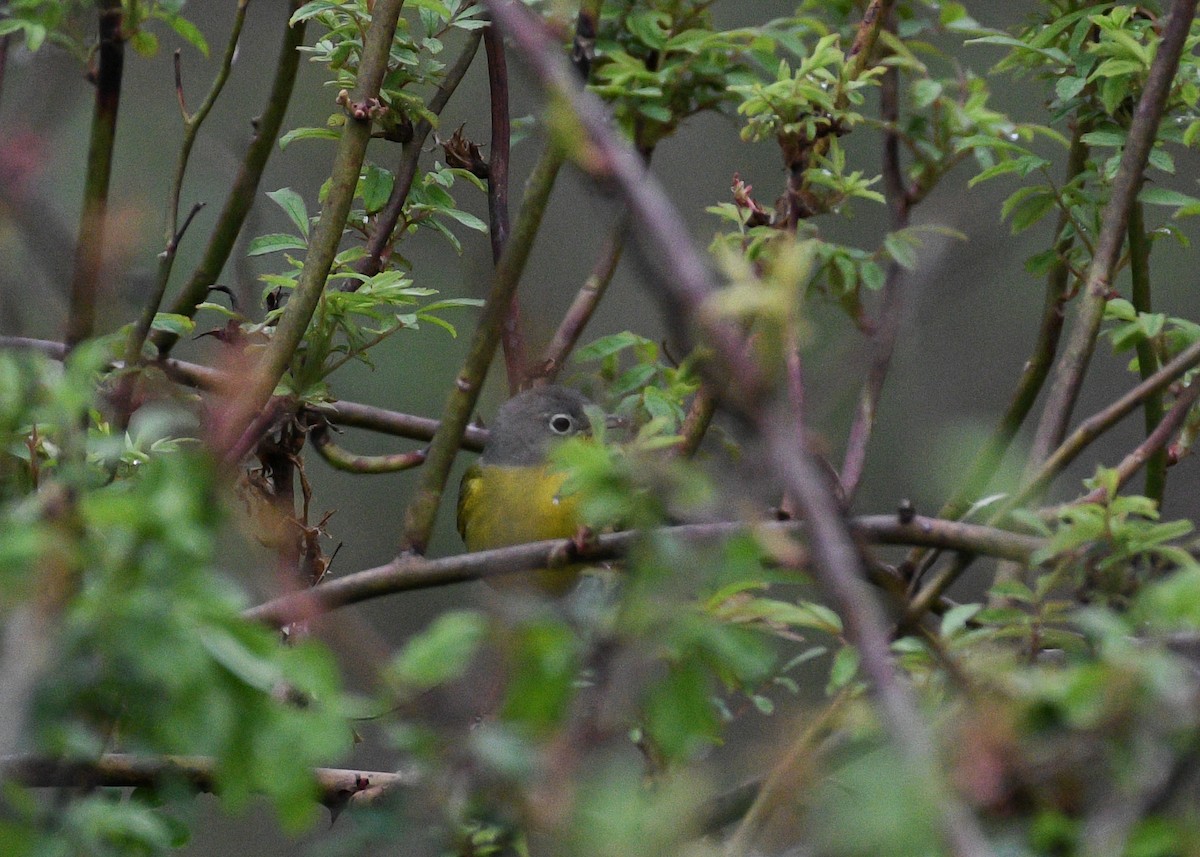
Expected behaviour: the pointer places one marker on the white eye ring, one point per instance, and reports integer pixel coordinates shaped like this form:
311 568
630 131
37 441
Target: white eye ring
562 424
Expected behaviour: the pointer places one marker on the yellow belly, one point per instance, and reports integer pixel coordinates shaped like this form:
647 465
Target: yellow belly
502 506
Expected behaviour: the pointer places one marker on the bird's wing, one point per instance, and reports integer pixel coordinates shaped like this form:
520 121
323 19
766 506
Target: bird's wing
469 490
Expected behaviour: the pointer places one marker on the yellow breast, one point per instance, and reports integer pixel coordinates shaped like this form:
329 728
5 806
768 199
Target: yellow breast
501 506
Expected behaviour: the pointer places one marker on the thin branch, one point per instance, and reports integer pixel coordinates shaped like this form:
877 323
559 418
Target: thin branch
891 302
245 186
1154 445
406 574
1147 357
1098 424
326 235
584 305
337 786
350 462
512 339
1076 355
354 415
410 153
93 221
421 513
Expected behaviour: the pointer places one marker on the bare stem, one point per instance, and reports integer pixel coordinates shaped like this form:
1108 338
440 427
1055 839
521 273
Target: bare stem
584 305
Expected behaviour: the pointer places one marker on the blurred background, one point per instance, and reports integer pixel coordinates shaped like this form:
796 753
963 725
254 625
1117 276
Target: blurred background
969 322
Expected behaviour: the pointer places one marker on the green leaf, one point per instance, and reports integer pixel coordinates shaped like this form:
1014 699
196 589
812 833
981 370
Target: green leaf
293 206
275 242
169 322
189 32
307 134
375 188
441 653
902 252
843 669
1165 196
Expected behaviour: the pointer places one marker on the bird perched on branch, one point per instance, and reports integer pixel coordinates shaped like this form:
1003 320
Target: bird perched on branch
512 495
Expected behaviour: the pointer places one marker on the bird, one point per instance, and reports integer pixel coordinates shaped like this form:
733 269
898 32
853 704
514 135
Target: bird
512 495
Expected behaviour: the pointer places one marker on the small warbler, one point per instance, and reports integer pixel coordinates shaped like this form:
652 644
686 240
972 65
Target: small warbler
511 495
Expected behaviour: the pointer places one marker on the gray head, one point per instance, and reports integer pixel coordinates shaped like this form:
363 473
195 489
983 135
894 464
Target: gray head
529 423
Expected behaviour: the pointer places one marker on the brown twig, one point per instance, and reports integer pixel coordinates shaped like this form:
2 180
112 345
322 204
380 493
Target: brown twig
337 786
583 306
93 222
1154 445
410 573
1072 364
350 462
891 302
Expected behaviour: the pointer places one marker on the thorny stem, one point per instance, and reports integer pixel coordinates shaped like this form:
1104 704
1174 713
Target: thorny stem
1147 357
327 233
245 187
512 341
687 287
421 514
1073 361
89 247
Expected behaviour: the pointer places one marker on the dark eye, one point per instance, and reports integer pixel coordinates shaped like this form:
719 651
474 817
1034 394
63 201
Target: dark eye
562 424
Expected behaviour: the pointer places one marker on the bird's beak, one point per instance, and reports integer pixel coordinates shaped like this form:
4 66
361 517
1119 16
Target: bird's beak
613 421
